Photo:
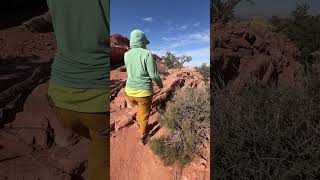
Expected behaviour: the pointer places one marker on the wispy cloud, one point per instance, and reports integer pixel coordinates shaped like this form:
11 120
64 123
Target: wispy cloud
174 28
188 39
196 24
183 27
202 52
200 36
147 19
177 28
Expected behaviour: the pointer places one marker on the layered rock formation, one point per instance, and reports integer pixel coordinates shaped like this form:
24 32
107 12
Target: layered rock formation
247 52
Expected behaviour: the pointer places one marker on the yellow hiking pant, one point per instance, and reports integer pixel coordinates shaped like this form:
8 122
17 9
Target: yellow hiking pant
93 126
144 109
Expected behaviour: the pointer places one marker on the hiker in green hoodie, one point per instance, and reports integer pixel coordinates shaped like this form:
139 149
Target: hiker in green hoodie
142 70
79 84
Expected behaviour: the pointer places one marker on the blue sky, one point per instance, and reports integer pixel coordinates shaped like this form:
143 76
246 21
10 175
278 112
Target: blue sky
181 27
274 7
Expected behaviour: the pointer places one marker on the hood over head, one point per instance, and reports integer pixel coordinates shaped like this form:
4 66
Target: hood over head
138 39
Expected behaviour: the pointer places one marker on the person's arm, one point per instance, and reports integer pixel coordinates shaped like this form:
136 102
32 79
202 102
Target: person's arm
153 70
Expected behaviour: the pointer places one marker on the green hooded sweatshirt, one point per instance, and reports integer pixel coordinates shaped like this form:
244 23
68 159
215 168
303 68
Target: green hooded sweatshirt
82 31
80 71
141 67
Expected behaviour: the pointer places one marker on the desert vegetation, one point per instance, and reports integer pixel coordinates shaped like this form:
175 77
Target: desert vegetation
173 61
304 30
204 70
267 133
222 11
187 117
265 130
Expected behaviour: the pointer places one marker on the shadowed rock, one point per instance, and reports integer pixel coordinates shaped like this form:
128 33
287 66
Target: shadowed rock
42 23
251 52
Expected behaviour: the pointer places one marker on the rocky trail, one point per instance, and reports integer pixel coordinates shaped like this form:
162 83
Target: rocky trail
32 143
129 159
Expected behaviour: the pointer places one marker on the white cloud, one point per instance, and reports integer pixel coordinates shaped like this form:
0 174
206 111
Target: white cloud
202 36
183 27
147 19
202 52
188 39
177 28
169 39
196 24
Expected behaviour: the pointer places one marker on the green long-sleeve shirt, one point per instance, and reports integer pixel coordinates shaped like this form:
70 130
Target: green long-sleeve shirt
140 64
82 31
80 71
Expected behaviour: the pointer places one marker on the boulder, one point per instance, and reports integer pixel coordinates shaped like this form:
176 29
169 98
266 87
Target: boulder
118 40
242 53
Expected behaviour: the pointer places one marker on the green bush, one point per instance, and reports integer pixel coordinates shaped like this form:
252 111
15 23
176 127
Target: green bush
267 133
172 61
303 29
187 118
222 11
204 70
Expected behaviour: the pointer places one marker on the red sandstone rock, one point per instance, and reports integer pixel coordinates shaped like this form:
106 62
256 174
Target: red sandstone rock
117 39
241 53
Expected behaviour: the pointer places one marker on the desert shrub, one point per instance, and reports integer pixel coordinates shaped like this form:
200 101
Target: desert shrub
266 133
204 70
187 118
303 29
222 11
172 61
219 12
